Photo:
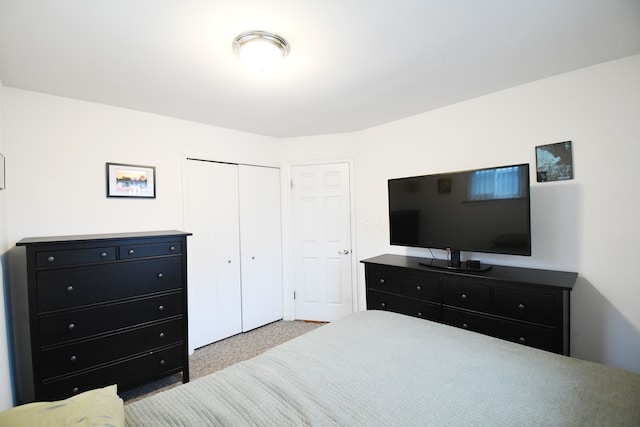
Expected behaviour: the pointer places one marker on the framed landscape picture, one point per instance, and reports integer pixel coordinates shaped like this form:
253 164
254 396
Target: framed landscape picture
131 181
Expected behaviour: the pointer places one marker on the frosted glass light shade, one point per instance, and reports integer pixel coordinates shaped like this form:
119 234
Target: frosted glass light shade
260 54
261 50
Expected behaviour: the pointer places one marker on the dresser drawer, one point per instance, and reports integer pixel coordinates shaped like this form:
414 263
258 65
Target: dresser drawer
149 250
467 295
384 279
125 373
468 321
524 305
89 353
397 304
75 256
424 288
522 333
540 337
70 325
77 286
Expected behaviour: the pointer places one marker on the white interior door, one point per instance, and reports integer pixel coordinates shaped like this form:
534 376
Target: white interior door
322 241
211 214
261 245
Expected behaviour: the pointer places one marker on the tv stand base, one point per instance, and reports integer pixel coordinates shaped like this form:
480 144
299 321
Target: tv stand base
473 266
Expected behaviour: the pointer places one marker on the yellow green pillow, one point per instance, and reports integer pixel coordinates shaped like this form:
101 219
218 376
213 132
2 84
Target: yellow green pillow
99 407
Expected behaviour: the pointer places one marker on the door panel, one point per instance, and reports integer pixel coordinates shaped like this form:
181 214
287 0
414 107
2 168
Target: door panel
211 214
261 246
322 241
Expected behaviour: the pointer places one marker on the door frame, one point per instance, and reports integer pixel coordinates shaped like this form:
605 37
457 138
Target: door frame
287 233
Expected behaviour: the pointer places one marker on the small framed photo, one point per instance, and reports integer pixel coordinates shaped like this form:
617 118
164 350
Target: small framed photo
131 181
554 162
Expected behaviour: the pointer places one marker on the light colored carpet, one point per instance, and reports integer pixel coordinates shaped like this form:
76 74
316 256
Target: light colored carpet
221 354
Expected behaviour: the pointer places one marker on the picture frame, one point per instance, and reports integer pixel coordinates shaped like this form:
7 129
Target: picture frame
3 182
554 162
134 181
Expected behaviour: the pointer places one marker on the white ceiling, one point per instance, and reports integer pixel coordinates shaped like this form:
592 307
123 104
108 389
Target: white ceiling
353 64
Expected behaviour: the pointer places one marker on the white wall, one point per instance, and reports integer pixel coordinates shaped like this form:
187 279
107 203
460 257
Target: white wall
57 150
588 224
5 379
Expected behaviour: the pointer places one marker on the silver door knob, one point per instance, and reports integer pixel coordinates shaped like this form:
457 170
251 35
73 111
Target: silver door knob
344 252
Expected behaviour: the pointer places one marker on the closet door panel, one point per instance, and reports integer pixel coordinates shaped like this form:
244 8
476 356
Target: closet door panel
211 214
261 245
227 251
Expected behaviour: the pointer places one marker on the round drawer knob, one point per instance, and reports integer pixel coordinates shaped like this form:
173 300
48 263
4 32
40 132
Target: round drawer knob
463 296
51 259
465 326
419 314
520 306
75 390
70 288
172 248
163 362
383 305
522 340
418 288
71 326
161 335
73 359
131 251
160 276
160 307
381 280
103 255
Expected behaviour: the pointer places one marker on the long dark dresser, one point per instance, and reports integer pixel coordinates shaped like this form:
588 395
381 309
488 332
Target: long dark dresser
96 310
523 305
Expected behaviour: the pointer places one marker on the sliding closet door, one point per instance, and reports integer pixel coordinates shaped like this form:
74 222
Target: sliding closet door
211 214
261 245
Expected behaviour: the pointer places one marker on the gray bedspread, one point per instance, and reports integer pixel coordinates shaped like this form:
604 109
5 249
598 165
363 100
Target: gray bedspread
378 368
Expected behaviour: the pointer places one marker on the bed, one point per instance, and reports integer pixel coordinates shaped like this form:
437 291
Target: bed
387 369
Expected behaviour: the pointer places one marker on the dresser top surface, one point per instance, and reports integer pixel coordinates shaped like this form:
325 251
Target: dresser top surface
98 237
561 279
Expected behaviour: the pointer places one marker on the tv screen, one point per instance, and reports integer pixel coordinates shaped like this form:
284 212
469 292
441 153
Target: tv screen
482 210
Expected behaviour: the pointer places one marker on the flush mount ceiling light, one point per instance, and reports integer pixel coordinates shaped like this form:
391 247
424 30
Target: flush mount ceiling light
261 49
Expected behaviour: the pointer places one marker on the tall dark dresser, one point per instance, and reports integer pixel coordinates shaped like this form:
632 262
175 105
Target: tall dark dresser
96 310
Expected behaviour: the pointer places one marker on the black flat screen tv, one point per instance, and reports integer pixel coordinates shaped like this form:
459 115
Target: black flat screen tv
481 210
